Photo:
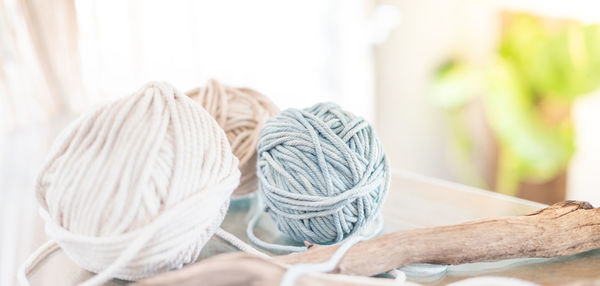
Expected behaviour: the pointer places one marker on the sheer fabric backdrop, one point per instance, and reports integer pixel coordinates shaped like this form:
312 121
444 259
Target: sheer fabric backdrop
59 58
296 52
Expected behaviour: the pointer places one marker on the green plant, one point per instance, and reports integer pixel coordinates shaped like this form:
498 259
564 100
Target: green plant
527 91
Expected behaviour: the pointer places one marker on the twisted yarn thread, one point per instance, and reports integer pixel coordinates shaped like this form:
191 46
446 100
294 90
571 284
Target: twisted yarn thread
241 112
138 186
322 173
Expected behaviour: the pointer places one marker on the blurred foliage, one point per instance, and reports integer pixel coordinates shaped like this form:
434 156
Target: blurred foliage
527 93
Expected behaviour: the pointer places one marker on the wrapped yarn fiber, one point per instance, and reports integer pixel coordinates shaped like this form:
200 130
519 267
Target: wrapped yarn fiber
323 175
241 112
138 186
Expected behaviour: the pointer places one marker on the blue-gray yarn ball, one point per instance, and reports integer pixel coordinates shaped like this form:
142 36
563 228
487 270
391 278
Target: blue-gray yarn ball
322 173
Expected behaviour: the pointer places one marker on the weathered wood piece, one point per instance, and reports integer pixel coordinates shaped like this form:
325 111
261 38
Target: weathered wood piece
564 228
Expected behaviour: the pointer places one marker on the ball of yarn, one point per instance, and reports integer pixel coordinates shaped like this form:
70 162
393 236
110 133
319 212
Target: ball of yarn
139 185
241 112
322 173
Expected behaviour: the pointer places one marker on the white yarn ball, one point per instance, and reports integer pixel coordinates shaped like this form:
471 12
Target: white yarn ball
139 185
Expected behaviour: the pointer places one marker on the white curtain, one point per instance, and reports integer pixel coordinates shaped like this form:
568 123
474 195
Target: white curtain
61 57
39 62
39 82
296 52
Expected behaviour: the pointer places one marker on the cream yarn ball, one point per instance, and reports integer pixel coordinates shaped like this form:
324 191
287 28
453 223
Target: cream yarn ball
138 186
241 112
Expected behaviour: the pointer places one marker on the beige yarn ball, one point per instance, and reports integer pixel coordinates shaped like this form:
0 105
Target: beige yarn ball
138 186
241 112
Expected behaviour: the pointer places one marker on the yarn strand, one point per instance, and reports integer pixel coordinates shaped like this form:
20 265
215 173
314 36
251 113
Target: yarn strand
260 208
34 259
297 270
240 244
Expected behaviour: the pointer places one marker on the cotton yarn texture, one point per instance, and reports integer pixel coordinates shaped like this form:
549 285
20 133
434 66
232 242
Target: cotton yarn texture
138 186
323 173
241 112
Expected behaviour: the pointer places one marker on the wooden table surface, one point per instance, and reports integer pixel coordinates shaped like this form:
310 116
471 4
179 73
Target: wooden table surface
414 201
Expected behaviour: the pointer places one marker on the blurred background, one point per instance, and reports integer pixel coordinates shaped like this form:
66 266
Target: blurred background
497 94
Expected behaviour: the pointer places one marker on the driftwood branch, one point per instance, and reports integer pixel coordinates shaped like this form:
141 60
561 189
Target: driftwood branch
564 228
